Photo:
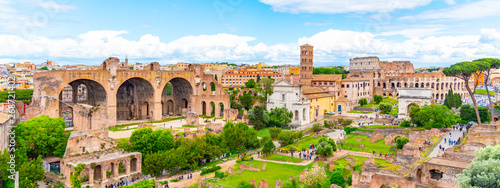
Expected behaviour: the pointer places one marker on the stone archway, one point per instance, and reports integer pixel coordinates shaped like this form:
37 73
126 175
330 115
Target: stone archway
133 165
80 91
180 92
98 173
412 96
204 108
221 109
134 98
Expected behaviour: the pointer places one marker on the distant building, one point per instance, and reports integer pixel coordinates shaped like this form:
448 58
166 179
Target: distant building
237 78
289 95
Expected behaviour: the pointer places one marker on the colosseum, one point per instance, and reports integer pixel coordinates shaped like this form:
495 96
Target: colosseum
387 77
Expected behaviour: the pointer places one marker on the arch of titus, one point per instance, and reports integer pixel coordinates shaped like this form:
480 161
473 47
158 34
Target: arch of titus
412 96
128 94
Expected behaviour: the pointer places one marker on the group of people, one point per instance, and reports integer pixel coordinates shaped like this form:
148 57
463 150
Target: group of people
386 155
188 176
306 155
120 184
462 128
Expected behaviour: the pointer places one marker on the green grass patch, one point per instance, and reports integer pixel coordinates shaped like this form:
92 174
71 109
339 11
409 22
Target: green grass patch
124 126
189 126
263 132
273 172
389 100
483 92
276 157
359 112
306 142
382 163
123 144
378 146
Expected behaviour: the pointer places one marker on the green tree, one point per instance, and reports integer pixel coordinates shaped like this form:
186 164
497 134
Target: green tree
268 145
76 176
467 114
484 170
239 138
24 95
466 71
337 178
44 68
215 77
324 148
31 172
266 87
258 117
288 137
274 132
246 100
405 123
4 166
377 98
146 140
250 83
385 108
40 136
363 102
493 63
434 116
401 141
280 117
258 78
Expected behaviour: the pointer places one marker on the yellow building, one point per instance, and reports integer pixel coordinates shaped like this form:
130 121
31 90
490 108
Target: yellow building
261 65
479 79
294 70
321 102
218 67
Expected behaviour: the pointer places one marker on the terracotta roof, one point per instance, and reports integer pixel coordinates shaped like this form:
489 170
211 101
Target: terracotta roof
306 45
312 90
317 96
327 77
355 79
342 99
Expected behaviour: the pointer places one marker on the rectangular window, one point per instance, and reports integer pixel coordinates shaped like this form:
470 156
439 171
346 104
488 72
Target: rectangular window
283 97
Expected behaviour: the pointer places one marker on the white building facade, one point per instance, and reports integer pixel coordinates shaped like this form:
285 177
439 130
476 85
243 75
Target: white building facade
290 95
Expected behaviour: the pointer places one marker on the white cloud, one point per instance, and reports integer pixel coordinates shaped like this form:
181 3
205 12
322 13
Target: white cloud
54 6
318 23
472 10
330 46
413 32
342 6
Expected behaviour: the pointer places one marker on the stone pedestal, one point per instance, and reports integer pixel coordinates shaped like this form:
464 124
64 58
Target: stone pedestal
192 118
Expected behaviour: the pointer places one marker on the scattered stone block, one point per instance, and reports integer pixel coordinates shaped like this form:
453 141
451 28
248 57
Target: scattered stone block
263 184
264 166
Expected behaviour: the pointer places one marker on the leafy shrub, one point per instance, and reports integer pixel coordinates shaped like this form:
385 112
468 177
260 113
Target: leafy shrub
219 174
210 170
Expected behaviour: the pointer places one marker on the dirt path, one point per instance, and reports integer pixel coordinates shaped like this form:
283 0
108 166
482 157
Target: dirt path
196 176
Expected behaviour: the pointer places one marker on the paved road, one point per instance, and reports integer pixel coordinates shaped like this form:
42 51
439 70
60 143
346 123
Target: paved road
455 134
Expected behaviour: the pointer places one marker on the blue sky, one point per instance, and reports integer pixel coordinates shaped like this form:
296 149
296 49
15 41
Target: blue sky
426 32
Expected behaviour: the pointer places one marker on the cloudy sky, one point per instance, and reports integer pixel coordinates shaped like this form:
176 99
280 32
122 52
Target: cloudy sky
426 32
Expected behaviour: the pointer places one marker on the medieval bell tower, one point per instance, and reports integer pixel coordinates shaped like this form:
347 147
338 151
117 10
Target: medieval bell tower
306 64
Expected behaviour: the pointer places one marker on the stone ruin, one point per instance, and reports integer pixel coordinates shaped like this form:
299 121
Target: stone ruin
263 184
250 167
278 184
389 139
90 145
216 127
230 114
144 125
376 136
187 131
264 166
192 118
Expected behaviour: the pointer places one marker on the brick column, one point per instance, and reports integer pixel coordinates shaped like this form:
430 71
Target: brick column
115 170
103 173
91 176
127 167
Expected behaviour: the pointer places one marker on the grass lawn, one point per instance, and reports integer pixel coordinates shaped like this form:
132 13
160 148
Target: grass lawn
389 100
306 142
359 112
483 92
391 126
273 172
276 157
263 132
123 144
124 126
382 163
189 126
378 146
